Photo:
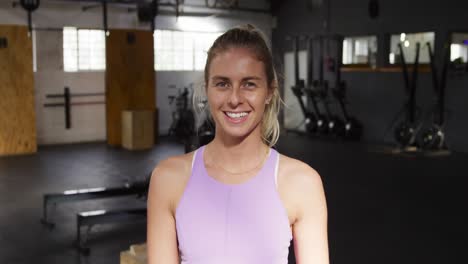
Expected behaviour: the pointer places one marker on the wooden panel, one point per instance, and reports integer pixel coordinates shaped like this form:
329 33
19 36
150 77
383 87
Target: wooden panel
130 77
136 255
17 113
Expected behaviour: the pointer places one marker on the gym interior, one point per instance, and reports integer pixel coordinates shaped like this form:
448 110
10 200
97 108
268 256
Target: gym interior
94 93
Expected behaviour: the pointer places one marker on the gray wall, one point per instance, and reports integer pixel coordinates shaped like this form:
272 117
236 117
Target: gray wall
376 97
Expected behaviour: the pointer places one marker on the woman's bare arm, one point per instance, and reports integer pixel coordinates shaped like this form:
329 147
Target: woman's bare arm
310 229
161 231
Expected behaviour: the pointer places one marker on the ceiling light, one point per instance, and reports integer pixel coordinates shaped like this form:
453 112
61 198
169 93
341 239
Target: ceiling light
199 24
402 37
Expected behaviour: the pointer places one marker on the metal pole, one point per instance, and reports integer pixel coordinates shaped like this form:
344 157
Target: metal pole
67 107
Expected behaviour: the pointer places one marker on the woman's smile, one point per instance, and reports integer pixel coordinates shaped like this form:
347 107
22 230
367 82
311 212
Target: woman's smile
236 117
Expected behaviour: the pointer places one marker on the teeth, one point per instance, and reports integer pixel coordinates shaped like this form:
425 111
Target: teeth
236 115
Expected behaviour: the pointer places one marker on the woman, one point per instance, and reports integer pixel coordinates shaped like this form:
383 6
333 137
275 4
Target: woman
237 200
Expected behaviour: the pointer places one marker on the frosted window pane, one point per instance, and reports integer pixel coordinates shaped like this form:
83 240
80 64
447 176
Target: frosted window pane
70 49
83 49
360 50
181 50
408 42
459 52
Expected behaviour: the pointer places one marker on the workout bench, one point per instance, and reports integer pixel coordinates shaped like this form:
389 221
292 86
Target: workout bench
137 189
91 218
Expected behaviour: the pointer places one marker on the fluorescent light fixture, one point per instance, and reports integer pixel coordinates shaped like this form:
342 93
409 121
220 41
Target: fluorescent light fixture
392 58
402 37
197 24
93 213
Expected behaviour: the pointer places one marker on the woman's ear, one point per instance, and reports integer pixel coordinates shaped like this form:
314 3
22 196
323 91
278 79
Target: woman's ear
271 90
269 96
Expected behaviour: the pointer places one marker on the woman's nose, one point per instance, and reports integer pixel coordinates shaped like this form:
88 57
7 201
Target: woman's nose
235 97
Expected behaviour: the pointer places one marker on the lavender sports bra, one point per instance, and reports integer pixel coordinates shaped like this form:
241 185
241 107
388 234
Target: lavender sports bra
220 223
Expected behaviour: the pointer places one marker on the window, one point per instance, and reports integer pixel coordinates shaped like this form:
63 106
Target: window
181 50
408 42
83 50
360 50
459 48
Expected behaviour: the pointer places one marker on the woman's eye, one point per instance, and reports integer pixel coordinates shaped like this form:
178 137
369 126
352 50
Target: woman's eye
251 85
221 84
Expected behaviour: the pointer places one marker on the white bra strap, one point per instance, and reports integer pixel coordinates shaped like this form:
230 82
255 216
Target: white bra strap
193 158
276 170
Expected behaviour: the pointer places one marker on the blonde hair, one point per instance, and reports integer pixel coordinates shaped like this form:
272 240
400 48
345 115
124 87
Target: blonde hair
246 36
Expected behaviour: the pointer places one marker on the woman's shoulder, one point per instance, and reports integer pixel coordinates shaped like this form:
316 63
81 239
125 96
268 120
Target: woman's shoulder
174 169
174 164
170 176
301 186
297 173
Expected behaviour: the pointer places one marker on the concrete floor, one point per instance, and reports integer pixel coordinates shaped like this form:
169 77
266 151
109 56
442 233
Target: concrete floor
386 208
382 208
24 180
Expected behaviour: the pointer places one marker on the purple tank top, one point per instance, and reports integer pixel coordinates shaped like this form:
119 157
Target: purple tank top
243 223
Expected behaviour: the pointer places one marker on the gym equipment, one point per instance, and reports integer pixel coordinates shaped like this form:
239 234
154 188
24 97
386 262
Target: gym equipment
317 91
137 188
320 119
136 254
99 217
30 6
183 119
298 90
205 135
147 11
104 18
206 132
405 132
434 137
335 126
67 102
183 124
352 127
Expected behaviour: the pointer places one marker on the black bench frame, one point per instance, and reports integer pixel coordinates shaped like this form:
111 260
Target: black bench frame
87 194
98 217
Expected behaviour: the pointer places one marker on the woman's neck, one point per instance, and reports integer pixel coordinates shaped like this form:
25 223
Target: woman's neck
237 154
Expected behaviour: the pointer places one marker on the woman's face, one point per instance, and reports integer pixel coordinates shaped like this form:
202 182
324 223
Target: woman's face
237 92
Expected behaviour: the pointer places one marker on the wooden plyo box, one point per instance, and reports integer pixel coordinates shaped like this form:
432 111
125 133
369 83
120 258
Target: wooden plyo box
136 255
137 129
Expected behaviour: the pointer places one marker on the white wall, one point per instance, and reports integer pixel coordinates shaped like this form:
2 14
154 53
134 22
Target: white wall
88 121
293 116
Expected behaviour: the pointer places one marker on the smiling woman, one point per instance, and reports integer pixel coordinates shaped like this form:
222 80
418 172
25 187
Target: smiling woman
236 199
238 92
249 56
